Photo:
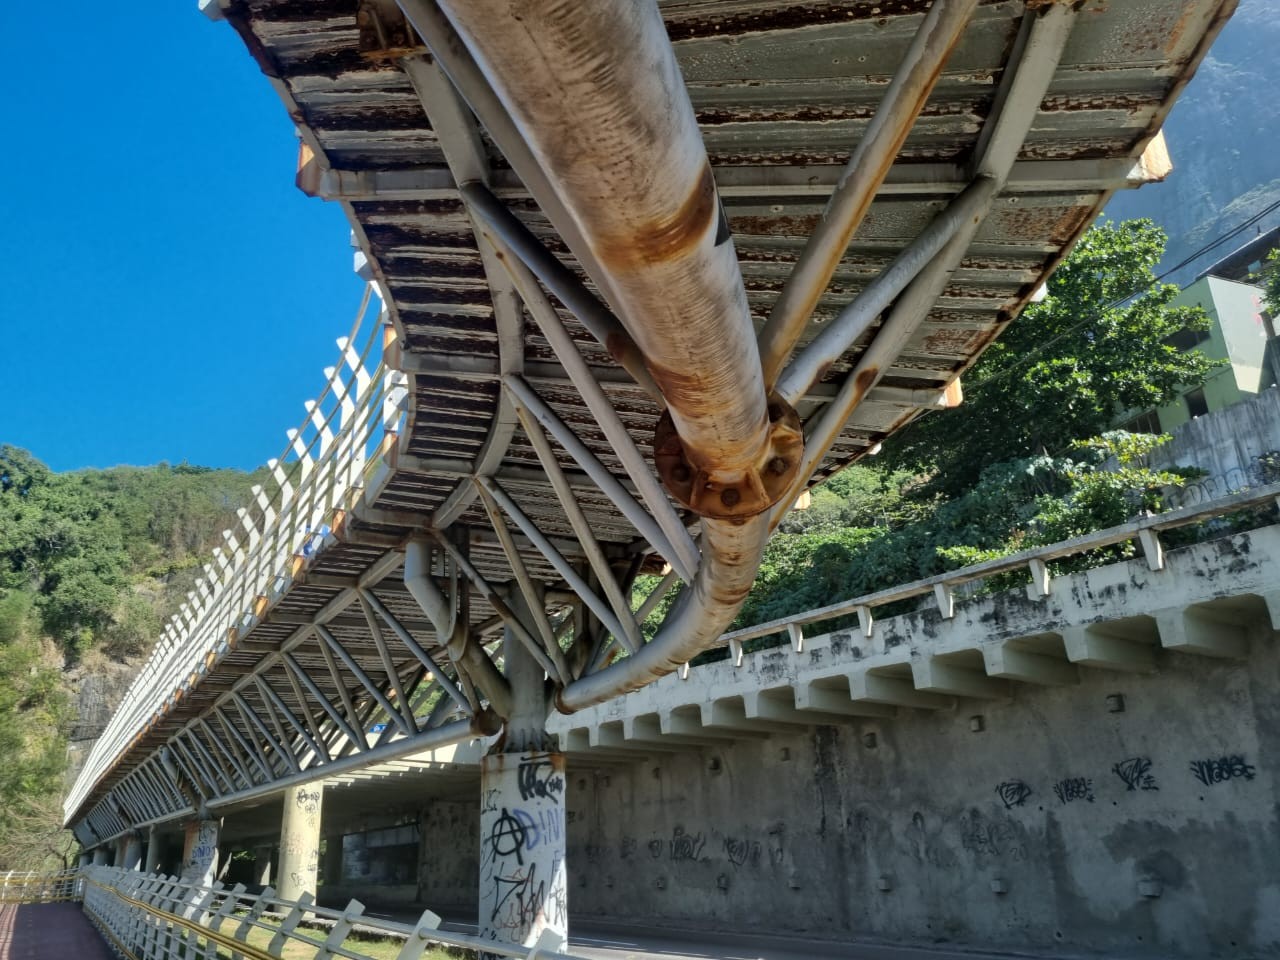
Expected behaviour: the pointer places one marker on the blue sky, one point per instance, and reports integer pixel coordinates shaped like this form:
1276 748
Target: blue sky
166 293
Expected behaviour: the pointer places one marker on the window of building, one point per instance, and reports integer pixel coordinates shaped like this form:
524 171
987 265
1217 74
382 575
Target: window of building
1187 339
1143 423
1197 406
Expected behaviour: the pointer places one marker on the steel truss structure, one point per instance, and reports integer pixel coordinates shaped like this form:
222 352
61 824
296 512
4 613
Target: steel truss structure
647 271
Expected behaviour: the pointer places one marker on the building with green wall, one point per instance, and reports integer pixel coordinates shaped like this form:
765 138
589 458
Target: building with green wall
1239 332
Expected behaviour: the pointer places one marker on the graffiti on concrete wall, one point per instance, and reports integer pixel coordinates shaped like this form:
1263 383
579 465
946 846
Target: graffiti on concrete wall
995 838
1222 769
686 846
1135 773
1072 789
1013 793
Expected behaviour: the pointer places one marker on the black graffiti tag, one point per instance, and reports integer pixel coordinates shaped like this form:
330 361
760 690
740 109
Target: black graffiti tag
1074 788
1013 793
686 846
508 836
1212 771
1136 773
538 778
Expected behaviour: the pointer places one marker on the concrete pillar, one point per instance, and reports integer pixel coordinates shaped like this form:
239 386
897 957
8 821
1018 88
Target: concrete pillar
262 865
131 857
523 886
200 852
152 863
117 852
299 841
100 857
86 858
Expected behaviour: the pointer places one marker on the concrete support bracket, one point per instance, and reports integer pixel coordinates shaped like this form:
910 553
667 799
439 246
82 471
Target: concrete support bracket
1090 648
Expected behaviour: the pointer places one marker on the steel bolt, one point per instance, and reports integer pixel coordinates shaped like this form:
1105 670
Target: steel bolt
730 496
778 466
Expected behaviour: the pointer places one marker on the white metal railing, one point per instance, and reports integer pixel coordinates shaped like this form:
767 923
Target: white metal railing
346 431
32 887
1145 530
150 917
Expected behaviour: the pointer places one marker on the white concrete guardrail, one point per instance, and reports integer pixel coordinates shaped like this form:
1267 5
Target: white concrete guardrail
1145 530
347 428
1213 598
148 917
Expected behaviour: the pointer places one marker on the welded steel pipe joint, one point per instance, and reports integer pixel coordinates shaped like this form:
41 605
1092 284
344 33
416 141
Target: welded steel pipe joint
735 492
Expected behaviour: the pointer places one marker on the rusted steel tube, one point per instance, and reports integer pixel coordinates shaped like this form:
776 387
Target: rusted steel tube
862 177
596 93
810 364
560 280
731 551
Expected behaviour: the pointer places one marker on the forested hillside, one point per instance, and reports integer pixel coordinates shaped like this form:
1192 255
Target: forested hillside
91 564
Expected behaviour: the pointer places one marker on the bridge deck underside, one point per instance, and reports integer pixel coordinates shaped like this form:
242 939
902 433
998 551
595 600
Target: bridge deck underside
782 94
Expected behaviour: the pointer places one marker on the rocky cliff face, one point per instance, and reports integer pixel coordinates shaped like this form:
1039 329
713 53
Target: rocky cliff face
96 688
1224 138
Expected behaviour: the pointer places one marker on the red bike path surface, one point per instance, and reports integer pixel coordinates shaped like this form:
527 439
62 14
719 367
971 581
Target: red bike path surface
49 931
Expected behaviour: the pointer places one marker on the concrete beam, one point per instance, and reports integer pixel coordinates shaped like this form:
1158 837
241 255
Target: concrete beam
778 707
688 720
894 691
1002 660
730 714
610 736
1089 647
649 729
1192 630
936 675
824 699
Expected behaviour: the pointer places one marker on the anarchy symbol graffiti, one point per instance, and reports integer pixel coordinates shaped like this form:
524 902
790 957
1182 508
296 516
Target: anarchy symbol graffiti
507 837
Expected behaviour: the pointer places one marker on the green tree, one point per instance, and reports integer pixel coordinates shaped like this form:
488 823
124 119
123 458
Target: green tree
1068 366
1269 278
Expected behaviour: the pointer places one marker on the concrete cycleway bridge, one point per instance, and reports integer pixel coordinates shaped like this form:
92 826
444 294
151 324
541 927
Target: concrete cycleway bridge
640 275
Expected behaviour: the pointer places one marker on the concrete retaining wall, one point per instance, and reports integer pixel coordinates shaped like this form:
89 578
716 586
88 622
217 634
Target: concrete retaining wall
1228 444
1108 783
1054 825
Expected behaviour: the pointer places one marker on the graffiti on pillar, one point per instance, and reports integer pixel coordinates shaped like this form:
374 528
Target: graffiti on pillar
308 801
523 888
539 779
203 840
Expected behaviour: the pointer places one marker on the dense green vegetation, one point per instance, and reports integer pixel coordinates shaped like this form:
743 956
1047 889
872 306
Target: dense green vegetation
1068 367
91 564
